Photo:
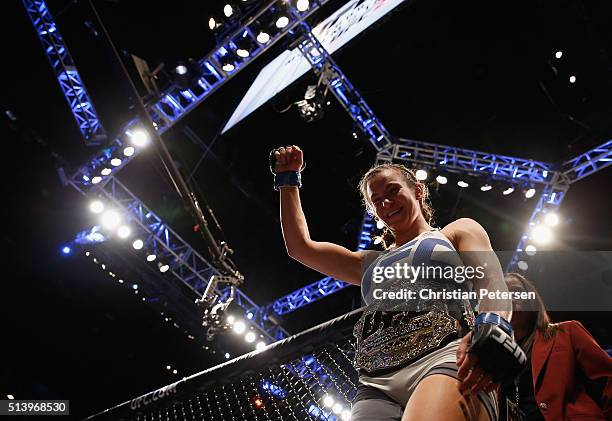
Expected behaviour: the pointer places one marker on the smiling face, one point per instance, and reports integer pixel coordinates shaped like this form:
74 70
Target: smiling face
393 200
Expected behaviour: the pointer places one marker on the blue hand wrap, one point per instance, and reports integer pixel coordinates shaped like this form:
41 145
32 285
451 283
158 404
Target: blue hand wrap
287 178
494 319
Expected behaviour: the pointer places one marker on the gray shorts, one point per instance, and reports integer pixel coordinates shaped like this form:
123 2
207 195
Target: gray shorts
384 398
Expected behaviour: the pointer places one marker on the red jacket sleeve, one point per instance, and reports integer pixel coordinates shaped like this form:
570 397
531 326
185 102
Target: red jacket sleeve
593 361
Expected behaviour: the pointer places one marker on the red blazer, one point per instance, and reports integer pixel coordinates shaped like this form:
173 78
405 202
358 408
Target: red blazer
560 369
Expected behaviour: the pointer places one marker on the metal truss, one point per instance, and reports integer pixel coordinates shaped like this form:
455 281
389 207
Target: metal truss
323 65
218 67
589 162
66 72
185 263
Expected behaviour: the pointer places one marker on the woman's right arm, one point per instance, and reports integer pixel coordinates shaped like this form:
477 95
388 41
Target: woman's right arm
328 258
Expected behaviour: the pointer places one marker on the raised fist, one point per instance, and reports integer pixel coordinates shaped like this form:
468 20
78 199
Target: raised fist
288 158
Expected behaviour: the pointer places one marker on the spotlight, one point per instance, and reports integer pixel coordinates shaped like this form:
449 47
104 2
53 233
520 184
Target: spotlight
530 250
239 327
181 70
230 319
250 337
328 401
163 268
462 184
441 179
508 191
66 250
559 54
263 38
135 286
129 151
228 67
258 403
302 5
380 224
249 315
106 171
227 11
213 23
139 137
137 244
227 355
529 193
124 231
282 22
96 206
522 265
151 257
96 180
541 234
421 175
260 345
551 219
486 187
572 79
115 162
11 397
346 415
110 219
168 367
242 53
337 408
174 372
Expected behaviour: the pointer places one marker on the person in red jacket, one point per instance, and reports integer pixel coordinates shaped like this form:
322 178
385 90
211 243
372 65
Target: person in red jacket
569 376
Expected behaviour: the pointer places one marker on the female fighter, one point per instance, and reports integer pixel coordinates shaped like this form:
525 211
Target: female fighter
431 369
568 375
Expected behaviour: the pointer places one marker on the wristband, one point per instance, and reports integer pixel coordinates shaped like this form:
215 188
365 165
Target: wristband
287 178
494 319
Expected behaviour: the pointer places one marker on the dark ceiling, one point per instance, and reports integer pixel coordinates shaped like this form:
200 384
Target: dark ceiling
478 75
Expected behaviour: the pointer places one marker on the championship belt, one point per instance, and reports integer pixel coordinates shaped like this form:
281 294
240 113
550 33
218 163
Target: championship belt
390 340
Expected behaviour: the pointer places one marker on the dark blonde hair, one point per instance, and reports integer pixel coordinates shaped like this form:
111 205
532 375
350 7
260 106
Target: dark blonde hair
410 178
541 321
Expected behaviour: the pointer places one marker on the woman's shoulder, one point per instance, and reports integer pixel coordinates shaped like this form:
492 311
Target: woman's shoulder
463 227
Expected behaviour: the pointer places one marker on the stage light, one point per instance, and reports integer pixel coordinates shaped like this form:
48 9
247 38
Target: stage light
302 5
124 231
135 286
151 257
263 38
249 315
87 253
241 52
174 372
120 281
559 54
328 401
138 244
541 234
129 151
96 206
250 337
441 179
228 10
228 67
230 319
212 24
421 175
462 184
110 219
380 224
258 402
11 397
508 191
486 187
168 367
66 250
96 180
227 355
163 268
337 408
346 415
572 79
260 345
181 70
115 162
239 327
139 137
106 171
551 219
282 22
529 193
530 250
522 265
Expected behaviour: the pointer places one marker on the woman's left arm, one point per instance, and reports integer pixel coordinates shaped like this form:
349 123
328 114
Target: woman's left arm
593 361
